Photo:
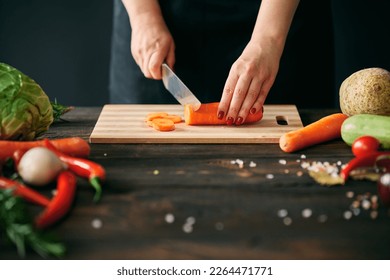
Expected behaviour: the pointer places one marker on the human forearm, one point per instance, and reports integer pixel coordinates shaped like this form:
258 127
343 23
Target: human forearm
273 22
141 11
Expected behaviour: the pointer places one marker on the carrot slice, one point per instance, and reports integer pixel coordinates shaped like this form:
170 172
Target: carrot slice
155 115
207 115
174 118
162 124
325 129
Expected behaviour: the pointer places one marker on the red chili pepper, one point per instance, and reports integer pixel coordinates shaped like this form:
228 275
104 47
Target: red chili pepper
85 168
24 192
61 202
362 161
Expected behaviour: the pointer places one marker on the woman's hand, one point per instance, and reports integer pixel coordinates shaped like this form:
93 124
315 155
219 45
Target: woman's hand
254 72
151 41
151 45
250 79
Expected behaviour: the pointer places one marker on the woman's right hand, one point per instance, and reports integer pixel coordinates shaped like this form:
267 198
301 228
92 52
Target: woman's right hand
151 41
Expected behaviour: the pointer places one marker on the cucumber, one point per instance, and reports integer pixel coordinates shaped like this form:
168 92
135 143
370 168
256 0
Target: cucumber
367 124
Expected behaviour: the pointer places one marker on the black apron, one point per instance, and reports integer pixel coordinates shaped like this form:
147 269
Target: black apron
209 36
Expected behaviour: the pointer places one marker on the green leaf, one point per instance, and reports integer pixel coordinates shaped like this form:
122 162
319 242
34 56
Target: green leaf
18 228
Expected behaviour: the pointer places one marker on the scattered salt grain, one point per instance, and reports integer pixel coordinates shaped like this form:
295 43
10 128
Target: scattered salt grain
188 225
282 213
366 204
239 162
283 161
355 204
96 223
190 220
322 218
269 176
219 226
287 221
303 156
356 211
156 172
306 213
252 164
187 228
349 194
105 154
374 214
169 218
347 215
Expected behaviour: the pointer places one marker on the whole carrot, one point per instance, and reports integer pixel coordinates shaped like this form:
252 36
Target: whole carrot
207 115
325 129
74 146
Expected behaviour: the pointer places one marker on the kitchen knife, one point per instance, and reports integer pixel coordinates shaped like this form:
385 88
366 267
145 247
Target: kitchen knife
178 89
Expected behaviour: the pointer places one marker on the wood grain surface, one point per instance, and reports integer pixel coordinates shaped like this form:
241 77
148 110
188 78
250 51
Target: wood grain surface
126 124
237 211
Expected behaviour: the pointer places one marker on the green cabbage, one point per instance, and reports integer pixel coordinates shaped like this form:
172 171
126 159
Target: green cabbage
25 109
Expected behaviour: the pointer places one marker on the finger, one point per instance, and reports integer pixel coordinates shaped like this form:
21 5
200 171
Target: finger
227 95
258 105
170 59
250 98
155 61
240 92
145 67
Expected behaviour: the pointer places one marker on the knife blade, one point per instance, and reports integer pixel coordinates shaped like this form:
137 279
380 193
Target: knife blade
178 89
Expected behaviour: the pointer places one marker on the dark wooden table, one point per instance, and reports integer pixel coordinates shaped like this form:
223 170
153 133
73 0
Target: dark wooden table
220 211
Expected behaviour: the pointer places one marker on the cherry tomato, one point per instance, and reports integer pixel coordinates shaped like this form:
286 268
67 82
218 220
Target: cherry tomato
364 145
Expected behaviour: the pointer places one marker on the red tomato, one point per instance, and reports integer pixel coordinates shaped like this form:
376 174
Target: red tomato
364 145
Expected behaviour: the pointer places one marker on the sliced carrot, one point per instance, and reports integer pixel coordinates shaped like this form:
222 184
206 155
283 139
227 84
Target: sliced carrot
155 115
174 118
163 124
149 123
207 115
323 130
74 146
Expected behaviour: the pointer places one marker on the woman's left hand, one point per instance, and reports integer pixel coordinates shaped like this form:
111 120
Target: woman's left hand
250 79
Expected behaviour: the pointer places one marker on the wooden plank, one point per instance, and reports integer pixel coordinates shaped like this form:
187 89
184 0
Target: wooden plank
125 123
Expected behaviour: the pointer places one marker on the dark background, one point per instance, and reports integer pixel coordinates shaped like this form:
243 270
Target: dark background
65 45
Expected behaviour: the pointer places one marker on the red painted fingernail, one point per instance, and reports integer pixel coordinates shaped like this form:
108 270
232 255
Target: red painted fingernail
253 110
239 121
220 115
229 121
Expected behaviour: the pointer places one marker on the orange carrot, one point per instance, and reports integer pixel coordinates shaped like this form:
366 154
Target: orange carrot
207 115
163 124
74 146
325 129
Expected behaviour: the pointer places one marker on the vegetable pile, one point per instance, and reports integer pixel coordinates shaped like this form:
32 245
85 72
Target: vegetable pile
40 163
364 124
25 109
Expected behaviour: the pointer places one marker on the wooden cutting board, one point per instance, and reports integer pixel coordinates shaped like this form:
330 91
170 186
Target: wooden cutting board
125 123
